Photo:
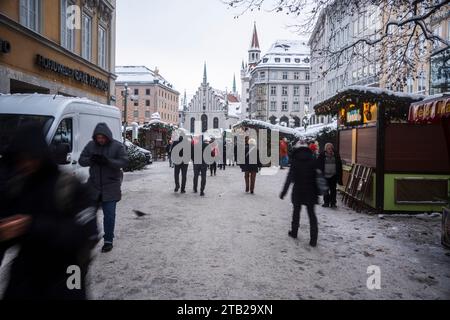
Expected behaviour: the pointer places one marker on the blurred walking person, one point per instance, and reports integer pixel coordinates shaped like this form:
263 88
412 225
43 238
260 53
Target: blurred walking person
214 155
105 158
169 147
303 175
330 163
251 165
50 216
177 159
200 165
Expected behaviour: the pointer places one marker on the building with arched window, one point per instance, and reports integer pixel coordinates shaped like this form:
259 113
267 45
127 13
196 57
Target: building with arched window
211 108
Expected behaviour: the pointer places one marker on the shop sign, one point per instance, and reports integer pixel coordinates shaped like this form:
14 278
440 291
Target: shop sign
77 75
354 116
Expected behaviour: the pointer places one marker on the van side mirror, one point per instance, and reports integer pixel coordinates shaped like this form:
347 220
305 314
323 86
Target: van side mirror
60 153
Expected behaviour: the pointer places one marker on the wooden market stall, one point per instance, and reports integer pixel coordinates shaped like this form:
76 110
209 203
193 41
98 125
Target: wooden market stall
391 165
155 136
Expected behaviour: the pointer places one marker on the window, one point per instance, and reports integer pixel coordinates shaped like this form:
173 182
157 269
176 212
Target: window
273 106
306 91
136 113
297 60
64 133
296 91
147 92
136 103
30 14
273 90
136 92
307 106
285 75
422 81
410 84
277 59
262 75
67 34
284 106
265 60
307 75
284 91
147 114
296 106
296 75
287 60
102 47
216 123
87 37
147 103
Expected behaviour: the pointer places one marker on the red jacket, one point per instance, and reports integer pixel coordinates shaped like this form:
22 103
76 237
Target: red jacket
283 149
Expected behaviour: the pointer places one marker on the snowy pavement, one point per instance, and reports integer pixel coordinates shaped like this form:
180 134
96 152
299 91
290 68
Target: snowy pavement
232 245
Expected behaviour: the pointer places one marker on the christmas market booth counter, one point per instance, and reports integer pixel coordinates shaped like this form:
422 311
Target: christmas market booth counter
390 164
154 136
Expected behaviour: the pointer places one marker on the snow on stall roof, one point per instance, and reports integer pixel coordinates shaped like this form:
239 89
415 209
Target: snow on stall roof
379 91
299 133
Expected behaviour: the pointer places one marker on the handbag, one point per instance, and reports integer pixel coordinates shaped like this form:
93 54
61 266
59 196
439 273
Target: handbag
321 183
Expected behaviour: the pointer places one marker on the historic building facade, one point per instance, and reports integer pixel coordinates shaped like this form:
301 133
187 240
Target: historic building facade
148 93
276 87
211 108
62 47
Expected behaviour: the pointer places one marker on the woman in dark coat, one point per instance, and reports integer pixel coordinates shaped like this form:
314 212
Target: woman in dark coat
251 166
330 163
303 175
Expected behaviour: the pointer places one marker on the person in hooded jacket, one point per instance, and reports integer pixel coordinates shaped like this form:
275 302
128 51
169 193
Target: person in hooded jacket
49 214
199 145
105 158
303 175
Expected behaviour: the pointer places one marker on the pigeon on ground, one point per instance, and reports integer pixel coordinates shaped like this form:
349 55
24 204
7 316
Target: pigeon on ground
139 213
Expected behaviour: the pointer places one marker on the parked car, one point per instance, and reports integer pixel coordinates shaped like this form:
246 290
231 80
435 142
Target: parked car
147 153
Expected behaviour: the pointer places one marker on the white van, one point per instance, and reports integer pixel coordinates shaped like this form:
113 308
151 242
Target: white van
68 122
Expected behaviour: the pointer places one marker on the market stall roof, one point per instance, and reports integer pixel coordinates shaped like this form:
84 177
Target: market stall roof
431 109
398 100
295 133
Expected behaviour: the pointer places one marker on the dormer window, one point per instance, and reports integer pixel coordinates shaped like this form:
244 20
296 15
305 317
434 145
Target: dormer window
306 60
277 60
297 60
287 60
265 60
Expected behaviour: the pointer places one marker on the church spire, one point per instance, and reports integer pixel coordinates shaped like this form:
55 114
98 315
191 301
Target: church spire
205 77
255 40
234 83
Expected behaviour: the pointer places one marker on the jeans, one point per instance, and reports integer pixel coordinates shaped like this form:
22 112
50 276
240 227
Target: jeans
200 169
330 196
109 220
250 179
313 227
183 168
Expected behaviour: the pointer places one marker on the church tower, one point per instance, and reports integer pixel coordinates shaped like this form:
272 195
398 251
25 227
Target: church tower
254 54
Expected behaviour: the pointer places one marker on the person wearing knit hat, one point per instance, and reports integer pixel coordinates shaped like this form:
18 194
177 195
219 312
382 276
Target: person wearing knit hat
252 165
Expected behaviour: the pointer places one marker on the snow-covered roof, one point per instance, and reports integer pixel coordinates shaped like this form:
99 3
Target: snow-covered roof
139 75
234 109
381 91
287 53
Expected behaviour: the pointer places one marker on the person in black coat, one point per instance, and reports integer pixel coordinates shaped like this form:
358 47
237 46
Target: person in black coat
52 219
252 164
180 165
303 175
200 166
330 163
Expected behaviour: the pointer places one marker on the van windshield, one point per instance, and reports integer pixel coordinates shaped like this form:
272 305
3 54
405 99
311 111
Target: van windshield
10 123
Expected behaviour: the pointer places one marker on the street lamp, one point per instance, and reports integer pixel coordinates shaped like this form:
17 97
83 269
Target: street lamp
125 94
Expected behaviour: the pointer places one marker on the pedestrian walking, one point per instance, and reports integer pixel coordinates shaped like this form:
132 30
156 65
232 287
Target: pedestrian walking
303 175
251 165
180 166
214 155
169 147
105 158
199 145
284 160
51 218
224 155
330 163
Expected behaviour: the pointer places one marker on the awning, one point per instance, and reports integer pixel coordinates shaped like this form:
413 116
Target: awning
430 111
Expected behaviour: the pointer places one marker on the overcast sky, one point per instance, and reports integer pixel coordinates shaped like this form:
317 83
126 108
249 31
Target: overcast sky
177 36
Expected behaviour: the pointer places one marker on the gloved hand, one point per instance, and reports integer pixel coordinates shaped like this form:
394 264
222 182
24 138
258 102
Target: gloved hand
99 159
282 195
